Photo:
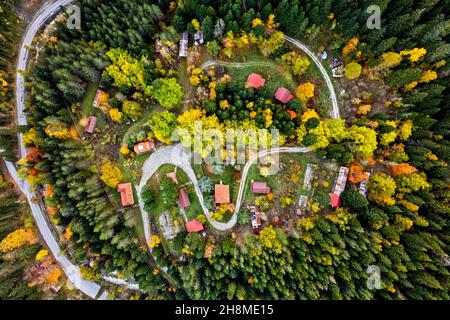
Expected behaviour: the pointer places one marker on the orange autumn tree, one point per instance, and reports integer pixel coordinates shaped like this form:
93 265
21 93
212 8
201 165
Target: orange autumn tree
357 174
402 168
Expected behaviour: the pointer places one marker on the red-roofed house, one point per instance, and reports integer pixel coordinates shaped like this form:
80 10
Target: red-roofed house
335 200
222 193
96 103
260 187
172 176
92 121
144 147
254 80
126 194
183 199
194 226
283 95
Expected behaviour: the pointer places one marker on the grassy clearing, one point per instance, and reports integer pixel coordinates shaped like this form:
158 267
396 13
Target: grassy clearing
291 176
275 74
86 104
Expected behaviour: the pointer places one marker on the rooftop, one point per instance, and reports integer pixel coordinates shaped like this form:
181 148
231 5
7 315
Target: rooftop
335 200
283 95
126 194
92 121
254 80
183 199
194 226
222 193
144 147
260 187
172 176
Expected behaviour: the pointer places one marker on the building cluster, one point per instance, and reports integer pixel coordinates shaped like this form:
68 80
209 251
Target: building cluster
339 187
256 81
183 50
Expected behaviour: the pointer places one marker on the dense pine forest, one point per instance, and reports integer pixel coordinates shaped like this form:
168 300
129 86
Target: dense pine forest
403 225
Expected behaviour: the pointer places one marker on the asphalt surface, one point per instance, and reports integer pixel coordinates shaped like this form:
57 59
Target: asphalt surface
72 272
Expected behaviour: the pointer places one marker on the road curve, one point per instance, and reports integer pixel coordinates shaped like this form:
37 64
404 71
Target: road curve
180 160
335 114
176 156
72 272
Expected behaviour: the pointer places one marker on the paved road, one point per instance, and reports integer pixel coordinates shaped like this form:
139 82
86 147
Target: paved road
172 154
72 272
176 156
44 13
335 107
87 287
335 114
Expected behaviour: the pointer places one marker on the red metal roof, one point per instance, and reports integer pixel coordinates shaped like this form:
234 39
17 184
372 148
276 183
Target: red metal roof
254 80
92 121
222 193
335 200
144 147
283 95
194 226
172 176
260 187
126 194
183 199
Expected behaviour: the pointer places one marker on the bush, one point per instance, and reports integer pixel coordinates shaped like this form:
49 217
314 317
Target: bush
355 200
243 217
148 199
168 192
205 184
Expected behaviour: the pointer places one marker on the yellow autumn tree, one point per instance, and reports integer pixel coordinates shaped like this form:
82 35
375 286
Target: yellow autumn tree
271 24
41 254
268 238
405 130
116 115
305 91
103 101
353 70
390 60
364 109
17 239
412 182
111 174
381 189
427 76
197 77
124 149
58 131
257 22
154 241
195 24
308 114
415 54
272 44
32 137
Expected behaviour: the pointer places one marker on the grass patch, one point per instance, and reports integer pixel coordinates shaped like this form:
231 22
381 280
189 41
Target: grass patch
275 75
86 104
